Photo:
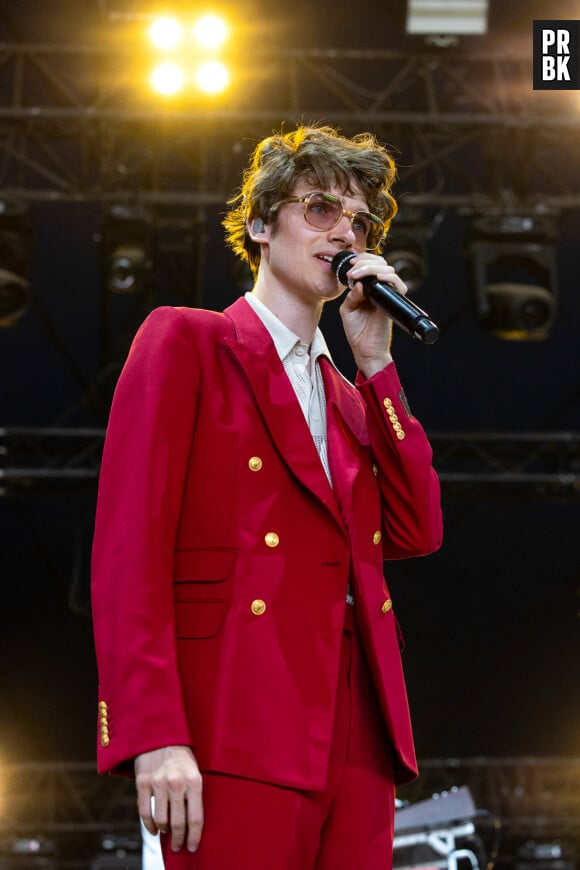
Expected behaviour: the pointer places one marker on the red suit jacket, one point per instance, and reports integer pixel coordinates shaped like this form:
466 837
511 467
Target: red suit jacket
222 555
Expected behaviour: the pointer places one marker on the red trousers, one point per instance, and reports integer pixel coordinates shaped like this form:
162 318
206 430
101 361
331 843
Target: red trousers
253 825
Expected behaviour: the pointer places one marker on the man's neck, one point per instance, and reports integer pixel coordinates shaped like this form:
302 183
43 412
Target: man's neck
299 316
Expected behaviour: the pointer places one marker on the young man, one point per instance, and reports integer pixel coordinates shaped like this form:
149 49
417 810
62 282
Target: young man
249 494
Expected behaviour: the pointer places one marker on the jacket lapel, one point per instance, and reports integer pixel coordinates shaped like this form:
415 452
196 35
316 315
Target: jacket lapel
345 423
255 352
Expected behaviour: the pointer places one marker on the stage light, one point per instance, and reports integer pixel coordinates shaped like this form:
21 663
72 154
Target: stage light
210 31
168 79
515 279
126 240
212 77
406 246
461 17
15 296
127 265
165 33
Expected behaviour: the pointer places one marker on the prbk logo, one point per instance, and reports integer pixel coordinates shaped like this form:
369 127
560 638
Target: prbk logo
556 55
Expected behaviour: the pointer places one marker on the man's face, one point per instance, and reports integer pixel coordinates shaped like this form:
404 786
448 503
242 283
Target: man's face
297 255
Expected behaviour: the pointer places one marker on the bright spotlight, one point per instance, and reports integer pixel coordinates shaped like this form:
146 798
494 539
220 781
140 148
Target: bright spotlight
168 79
165 33
212 77
210 31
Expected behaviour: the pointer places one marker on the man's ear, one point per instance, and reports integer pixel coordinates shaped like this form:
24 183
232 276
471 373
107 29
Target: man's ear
257 230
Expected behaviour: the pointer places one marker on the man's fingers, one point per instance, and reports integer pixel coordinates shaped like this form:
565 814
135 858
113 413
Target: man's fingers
194 816
170 778
144 808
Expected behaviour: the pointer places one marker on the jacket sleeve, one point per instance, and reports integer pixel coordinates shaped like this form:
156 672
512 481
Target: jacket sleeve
140 490
410 491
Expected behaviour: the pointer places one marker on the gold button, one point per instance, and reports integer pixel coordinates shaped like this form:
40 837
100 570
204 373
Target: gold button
400 435
393 417
255 463
386 606
377 538
272 539
397 427
105 740
375 470
258 607
387 403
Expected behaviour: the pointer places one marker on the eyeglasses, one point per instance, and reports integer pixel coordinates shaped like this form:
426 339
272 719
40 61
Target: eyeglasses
323 211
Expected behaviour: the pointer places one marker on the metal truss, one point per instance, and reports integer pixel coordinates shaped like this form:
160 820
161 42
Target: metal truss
45 459
470 134
528 796
533 797
468 130
544 463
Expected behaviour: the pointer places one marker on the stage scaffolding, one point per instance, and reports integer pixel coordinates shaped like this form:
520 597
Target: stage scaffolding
69 806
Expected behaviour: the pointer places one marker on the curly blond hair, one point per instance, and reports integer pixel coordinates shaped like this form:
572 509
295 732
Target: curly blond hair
324 157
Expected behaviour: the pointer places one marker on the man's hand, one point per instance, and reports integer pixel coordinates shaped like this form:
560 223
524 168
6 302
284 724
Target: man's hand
172 777
367 327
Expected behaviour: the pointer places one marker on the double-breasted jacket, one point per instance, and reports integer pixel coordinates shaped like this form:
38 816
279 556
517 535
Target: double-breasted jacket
222 554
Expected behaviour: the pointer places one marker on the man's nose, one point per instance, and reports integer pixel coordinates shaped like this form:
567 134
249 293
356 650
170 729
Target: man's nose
343 230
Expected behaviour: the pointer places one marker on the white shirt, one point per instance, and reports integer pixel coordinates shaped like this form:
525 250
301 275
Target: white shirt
308 384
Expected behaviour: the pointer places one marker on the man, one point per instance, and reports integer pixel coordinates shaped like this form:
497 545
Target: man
245 635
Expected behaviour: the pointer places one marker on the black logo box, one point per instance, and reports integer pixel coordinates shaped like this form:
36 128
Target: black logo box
551 75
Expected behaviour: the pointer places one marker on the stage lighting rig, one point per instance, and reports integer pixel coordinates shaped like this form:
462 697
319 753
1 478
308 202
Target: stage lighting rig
513 257
178 41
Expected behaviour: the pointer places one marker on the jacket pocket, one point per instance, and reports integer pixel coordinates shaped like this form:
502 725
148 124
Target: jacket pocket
198 619
202 566
201 593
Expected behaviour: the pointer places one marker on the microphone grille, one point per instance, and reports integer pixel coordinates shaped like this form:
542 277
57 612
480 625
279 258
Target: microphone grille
341 264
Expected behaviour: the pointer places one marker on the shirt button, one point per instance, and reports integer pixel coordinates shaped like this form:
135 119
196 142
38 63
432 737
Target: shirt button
255 463
258 607
386 606
300 350
377 538
272 539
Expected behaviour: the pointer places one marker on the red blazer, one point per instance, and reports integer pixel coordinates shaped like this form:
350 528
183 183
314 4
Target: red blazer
222 555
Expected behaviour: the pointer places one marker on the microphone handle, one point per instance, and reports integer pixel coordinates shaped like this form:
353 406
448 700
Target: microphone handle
405 313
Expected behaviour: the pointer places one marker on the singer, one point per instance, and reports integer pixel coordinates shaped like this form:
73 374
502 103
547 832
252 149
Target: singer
247 645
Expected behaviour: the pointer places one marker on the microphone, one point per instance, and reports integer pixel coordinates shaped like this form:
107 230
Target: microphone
405 313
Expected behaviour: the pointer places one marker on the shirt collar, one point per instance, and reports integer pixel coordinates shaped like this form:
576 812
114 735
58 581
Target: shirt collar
284 339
